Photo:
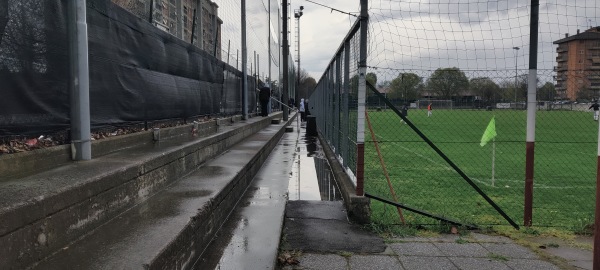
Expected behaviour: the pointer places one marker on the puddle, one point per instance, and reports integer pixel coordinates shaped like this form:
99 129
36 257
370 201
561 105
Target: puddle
311 178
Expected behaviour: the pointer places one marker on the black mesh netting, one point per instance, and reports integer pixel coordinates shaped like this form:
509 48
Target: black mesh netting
137 71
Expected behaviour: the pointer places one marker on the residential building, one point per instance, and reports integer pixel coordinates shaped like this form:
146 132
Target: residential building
195 21
578 65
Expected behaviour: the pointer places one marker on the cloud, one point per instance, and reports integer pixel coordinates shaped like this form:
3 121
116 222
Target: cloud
423 35
322 32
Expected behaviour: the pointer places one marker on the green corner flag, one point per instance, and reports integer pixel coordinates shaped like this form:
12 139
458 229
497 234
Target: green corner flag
489 133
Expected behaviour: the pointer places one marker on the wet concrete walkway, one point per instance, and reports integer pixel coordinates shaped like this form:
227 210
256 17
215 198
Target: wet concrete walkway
287 213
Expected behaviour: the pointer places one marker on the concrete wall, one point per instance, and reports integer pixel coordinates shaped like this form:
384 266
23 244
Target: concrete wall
65 203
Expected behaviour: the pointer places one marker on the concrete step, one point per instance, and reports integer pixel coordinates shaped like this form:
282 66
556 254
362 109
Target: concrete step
250 237
171 229
45 212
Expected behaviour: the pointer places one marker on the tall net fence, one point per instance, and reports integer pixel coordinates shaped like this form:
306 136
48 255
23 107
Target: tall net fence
468 61
150 61
335 101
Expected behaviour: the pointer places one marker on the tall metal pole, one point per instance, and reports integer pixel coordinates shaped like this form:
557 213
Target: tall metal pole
297 92
244 65
531 108
81 146
362 93
269 40
297 14
285 56
596 250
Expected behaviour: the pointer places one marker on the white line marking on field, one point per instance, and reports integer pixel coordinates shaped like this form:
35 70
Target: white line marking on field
536 185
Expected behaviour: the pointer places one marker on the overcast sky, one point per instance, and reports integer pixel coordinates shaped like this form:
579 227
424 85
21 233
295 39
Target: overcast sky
421 36
321 32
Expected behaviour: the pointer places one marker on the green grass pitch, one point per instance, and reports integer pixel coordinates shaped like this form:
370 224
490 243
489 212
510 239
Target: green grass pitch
565 166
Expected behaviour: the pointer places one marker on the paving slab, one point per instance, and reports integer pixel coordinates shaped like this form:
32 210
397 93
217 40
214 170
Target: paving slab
462 250
426 263
510 250
531 264
467 263
416 249
323 235
313 261
369 262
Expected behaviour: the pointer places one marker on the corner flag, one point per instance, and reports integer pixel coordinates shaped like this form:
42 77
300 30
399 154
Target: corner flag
489 133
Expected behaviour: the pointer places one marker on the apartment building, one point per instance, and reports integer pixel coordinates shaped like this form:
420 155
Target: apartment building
195 21
578 65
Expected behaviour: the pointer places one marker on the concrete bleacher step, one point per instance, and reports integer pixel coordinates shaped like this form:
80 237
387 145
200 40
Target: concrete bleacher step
172 228
52 211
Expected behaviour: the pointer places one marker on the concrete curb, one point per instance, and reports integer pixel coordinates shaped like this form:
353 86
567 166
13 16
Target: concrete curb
358 207
31 162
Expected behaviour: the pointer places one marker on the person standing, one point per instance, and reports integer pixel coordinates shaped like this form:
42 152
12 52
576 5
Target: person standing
429 110
302 110
264 95
595 107
404 111
306 108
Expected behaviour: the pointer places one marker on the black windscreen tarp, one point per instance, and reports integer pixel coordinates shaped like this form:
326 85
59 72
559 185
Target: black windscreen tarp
137 71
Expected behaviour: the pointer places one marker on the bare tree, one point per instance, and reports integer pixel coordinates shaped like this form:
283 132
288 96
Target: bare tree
306 84
484 87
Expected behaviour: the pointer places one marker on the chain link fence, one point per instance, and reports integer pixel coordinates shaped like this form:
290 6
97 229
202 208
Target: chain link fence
454 84
335 104
446 134
152 63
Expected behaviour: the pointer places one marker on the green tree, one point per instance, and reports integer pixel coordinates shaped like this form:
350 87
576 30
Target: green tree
372 78
447 82
546 92
521 87
406 86
585 94
484 87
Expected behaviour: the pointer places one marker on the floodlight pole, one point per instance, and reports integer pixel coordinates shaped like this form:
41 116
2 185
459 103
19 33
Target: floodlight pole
297 14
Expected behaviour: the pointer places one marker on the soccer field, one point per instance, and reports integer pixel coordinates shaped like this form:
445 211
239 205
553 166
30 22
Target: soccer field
565 166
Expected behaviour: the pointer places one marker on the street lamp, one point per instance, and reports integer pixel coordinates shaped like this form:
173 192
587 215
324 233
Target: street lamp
516 54
297 14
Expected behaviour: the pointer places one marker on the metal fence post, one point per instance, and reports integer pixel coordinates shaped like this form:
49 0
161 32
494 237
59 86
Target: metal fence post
244 64
346 113
81 146
362 91
286 53
596 249
531 108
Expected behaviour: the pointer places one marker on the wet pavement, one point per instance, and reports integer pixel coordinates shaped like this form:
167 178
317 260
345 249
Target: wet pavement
293 210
